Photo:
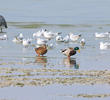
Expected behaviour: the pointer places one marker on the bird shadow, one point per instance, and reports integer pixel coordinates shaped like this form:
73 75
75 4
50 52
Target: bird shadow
41 60
70 63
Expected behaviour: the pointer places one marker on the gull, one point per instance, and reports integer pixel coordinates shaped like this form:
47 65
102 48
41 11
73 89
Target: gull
82 42
104 46
27 42
3 37
17 40
50 35
101 35
66 39
39 33
50 46
41 41
20 36
74 37
59 38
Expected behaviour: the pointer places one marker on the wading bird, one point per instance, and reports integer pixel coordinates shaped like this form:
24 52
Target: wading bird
3 23
70 51
41 50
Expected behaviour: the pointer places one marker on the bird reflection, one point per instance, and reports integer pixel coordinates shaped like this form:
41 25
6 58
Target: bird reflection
70 63
42 60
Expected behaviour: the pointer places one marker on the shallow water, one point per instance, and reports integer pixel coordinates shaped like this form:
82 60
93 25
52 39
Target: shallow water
82 17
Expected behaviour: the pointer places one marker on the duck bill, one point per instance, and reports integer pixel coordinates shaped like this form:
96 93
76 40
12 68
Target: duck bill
79 51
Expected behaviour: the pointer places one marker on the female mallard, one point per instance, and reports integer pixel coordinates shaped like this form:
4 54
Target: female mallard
70 51
41 50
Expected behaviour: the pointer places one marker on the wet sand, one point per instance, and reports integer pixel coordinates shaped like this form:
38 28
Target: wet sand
42 77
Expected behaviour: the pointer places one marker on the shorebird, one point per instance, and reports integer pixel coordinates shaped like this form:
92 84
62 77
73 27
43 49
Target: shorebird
3 23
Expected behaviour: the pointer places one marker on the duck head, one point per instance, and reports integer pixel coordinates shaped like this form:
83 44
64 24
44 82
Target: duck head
77 49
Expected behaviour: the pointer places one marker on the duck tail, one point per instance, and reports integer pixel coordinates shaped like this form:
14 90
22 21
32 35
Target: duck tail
62 50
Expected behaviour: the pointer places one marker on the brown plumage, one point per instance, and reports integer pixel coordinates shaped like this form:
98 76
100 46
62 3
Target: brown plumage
41 50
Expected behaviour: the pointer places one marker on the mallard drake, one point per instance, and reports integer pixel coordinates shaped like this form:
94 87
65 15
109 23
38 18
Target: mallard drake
70 51
41 50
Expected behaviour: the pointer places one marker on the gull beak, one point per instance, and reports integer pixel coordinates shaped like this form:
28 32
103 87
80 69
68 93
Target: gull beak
79 51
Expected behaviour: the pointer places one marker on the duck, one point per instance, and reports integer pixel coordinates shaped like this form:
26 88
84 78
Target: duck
41 50
70 51
3 37
82 42
104 46
101 35
74 37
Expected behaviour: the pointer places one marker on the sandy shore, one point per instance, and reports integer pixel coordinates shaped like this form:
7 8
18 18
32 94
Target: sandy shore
41 77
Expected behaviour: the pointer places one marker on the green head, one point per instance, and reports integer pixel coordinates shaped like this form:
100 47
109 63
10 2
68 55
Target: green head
77 49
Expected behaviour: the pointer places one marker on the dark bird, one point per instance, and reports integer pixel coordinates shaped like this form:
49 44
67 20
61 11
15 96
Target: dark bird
70 51
3 23
41 50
